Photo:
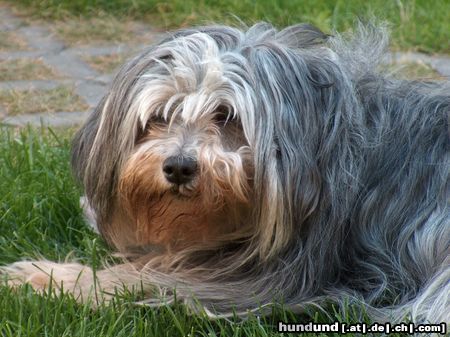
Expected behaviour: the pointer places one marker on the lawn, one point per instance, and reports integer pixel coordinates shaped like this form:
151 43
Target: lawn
422 25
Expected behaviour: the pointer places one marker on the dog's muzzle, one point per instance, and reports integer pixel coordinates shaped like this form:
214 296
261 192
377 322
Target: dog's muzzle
179 170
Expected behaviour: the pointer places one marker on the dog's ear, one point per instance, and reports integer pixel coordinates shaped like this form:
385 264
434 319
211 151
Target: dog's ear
308 111
83 140
108 136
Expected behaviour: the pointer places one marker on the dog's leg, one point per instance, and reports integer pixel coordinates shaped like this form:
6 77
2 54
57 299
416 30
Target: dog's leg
74 278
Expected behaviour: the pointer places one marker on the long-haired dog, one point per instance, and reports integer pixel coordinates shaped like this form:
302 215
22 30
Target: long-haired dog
243 168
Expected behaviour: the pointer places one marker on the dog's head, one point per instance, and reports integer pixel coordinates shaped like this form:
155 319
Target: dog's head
188 178
211 135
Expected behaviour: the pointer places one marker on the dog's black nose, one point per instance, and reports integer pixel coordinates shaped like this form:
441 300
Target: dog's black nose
179 170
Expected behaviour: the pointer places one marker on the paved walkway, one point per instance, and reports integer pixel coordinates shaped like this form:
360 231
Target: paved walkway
68 62
89 84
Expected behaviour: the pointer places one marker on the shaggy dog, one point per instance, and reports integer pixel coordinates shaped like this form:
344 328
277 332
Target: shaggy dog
243 168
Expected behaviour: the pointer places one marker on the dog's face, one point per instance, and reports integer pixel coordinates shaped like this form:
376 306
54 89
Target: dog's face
205 138
188 181
187 178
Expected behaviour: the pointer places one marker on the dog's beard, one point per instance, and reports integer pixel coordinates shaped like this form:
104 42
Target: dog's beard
213 203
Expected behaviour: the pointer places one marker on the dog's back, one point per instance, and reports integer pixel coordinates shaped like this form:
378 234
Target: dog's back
399 239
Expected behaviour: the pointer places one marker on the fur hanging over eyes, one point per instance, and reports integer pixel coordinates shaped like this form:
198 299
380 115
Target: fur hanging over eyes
257 166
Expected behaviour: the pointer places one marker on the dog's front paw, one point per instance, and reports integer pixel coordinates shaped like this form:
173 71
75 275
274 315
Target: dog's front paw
73 278
43 275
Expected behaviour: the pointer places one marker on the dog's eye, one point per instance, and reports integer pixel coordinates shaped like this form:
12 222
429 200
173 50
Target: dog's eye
221 118
156 120
222 115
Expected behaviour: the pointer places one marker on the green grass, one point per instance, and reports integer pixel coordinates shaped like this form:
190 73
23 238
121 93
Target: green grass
40 217
39 211
416 24
103 28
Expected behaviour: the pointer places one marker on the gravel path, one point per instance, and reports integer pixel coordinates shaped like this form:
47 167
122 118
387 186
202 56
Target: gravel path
89 84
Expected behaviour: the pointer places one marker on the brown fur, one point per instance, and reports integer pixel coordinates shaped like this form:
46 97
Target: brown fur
159 214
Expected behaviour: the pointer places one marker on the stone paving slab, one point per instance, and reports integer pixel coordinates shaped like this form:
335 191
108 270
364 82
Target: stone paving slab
440 64
34 84
69 64
40 38
103 50
14 55
106 79
91 85
90 91
7 21
55 119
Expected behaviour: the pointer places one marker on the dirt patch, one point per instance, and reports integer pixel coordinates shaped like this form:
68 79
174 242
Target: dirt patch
62 98
25 69
106 63
10 41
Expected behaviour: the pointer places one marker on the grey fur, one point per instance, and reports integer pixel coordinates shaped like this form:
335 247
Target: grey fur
351 172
